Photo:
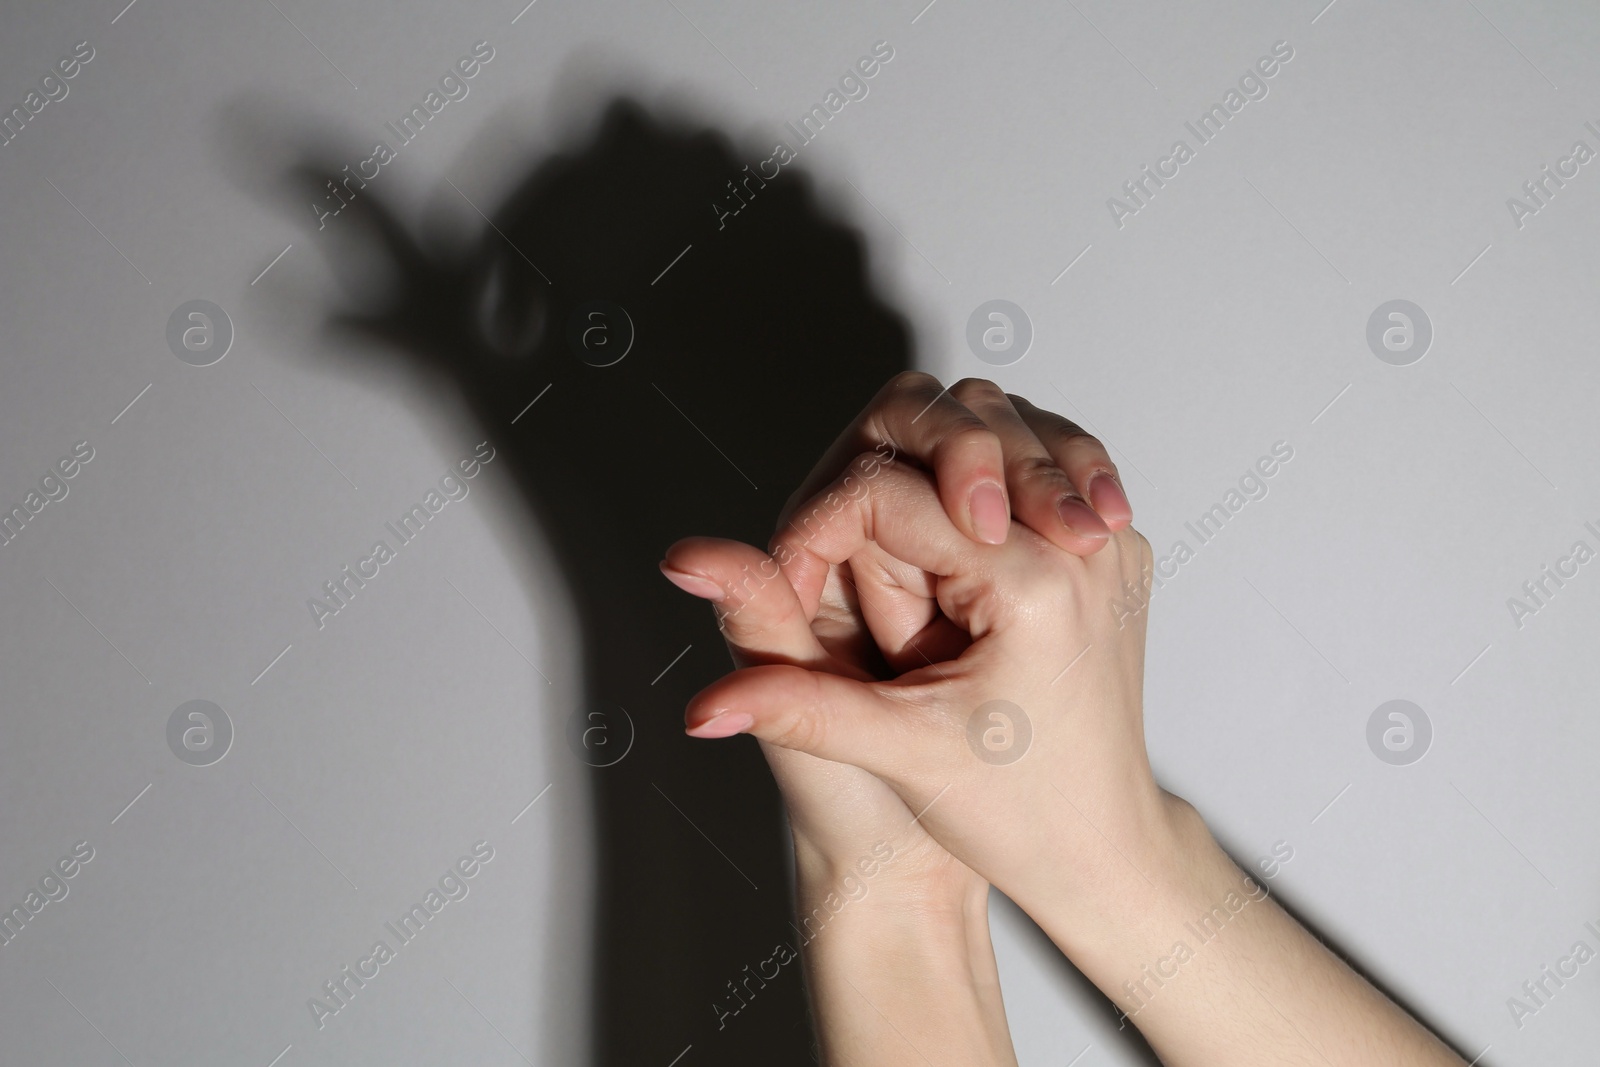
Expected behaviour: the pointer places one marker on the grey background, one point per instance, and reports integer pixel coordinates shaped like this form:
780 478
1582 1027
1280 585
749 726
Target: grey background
1229 314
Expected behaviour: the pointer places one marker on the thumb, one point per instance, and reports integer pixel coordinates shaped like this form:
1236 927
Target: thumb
825 715
763 622
758 612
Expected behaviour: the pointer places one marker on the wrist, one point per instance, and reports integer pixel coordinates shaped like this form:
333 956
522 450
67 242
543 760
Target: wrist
901 906
905 979
1114 907
910 944
909 873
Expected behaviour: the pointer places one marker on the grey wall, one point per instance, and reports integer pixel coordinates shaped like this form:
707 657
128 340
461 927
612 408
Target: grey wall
1228 313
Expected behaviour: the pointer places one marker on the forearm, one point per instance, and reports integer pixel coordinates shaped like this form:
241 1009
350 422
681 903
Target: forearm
905 974
1209 967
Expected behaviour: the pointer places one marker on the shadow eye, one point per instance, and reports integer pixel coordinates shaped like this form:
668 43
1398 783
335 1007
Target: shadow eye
510 307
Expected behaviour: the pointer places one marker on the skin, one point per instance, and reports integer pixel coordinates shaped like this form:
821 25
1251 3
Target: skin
1076 831
911 960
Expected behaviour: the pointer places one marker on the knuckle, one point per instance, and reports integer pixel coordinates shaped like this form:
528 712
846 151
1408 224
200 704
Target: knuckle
1074 436
1057 588
1055 425
971 436
856 483
804 730
1142 546
979 391
1084 453
1038 474
913 382
742 630
1134 549
785 544
794 544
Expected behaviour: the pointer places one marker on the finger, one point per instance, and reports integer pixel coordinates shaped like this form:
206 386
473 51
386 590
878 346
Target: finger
898 604
823 715
872 502
762 622
757 611
915 416
838 623
1083 458
890 512
894 599
1043 497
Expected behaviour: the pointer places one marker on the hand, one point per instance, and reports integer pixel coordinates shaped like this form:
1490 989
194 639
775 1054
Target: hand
1051 636
993 456
934 921
837 812
987 451
1128 882
892 926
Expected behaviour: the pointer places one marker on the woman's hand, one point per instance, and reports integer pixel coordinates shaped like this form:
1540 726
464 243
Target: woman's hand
1024 757
892 926
1026 743
993 456
986 451
924 909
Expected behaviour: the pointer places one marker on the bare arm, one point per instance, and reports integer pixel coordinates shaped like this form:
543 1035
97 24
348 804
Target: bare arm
904 974
1075 828
1206 964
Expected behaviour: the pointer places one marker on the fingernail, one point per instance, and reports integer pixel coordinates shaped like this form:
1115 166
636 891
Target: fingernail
1109 499
693 583
725 725
991 515
1081 519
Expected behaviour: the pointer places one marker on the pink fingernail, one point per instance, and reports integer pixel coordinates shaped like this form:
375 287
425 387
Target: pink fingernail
1109 499
991 516
693 583
725 725
1081 519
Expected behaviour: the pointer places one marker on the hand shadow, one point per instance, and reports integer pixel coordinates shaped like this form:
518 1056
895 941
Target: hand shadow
728 352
